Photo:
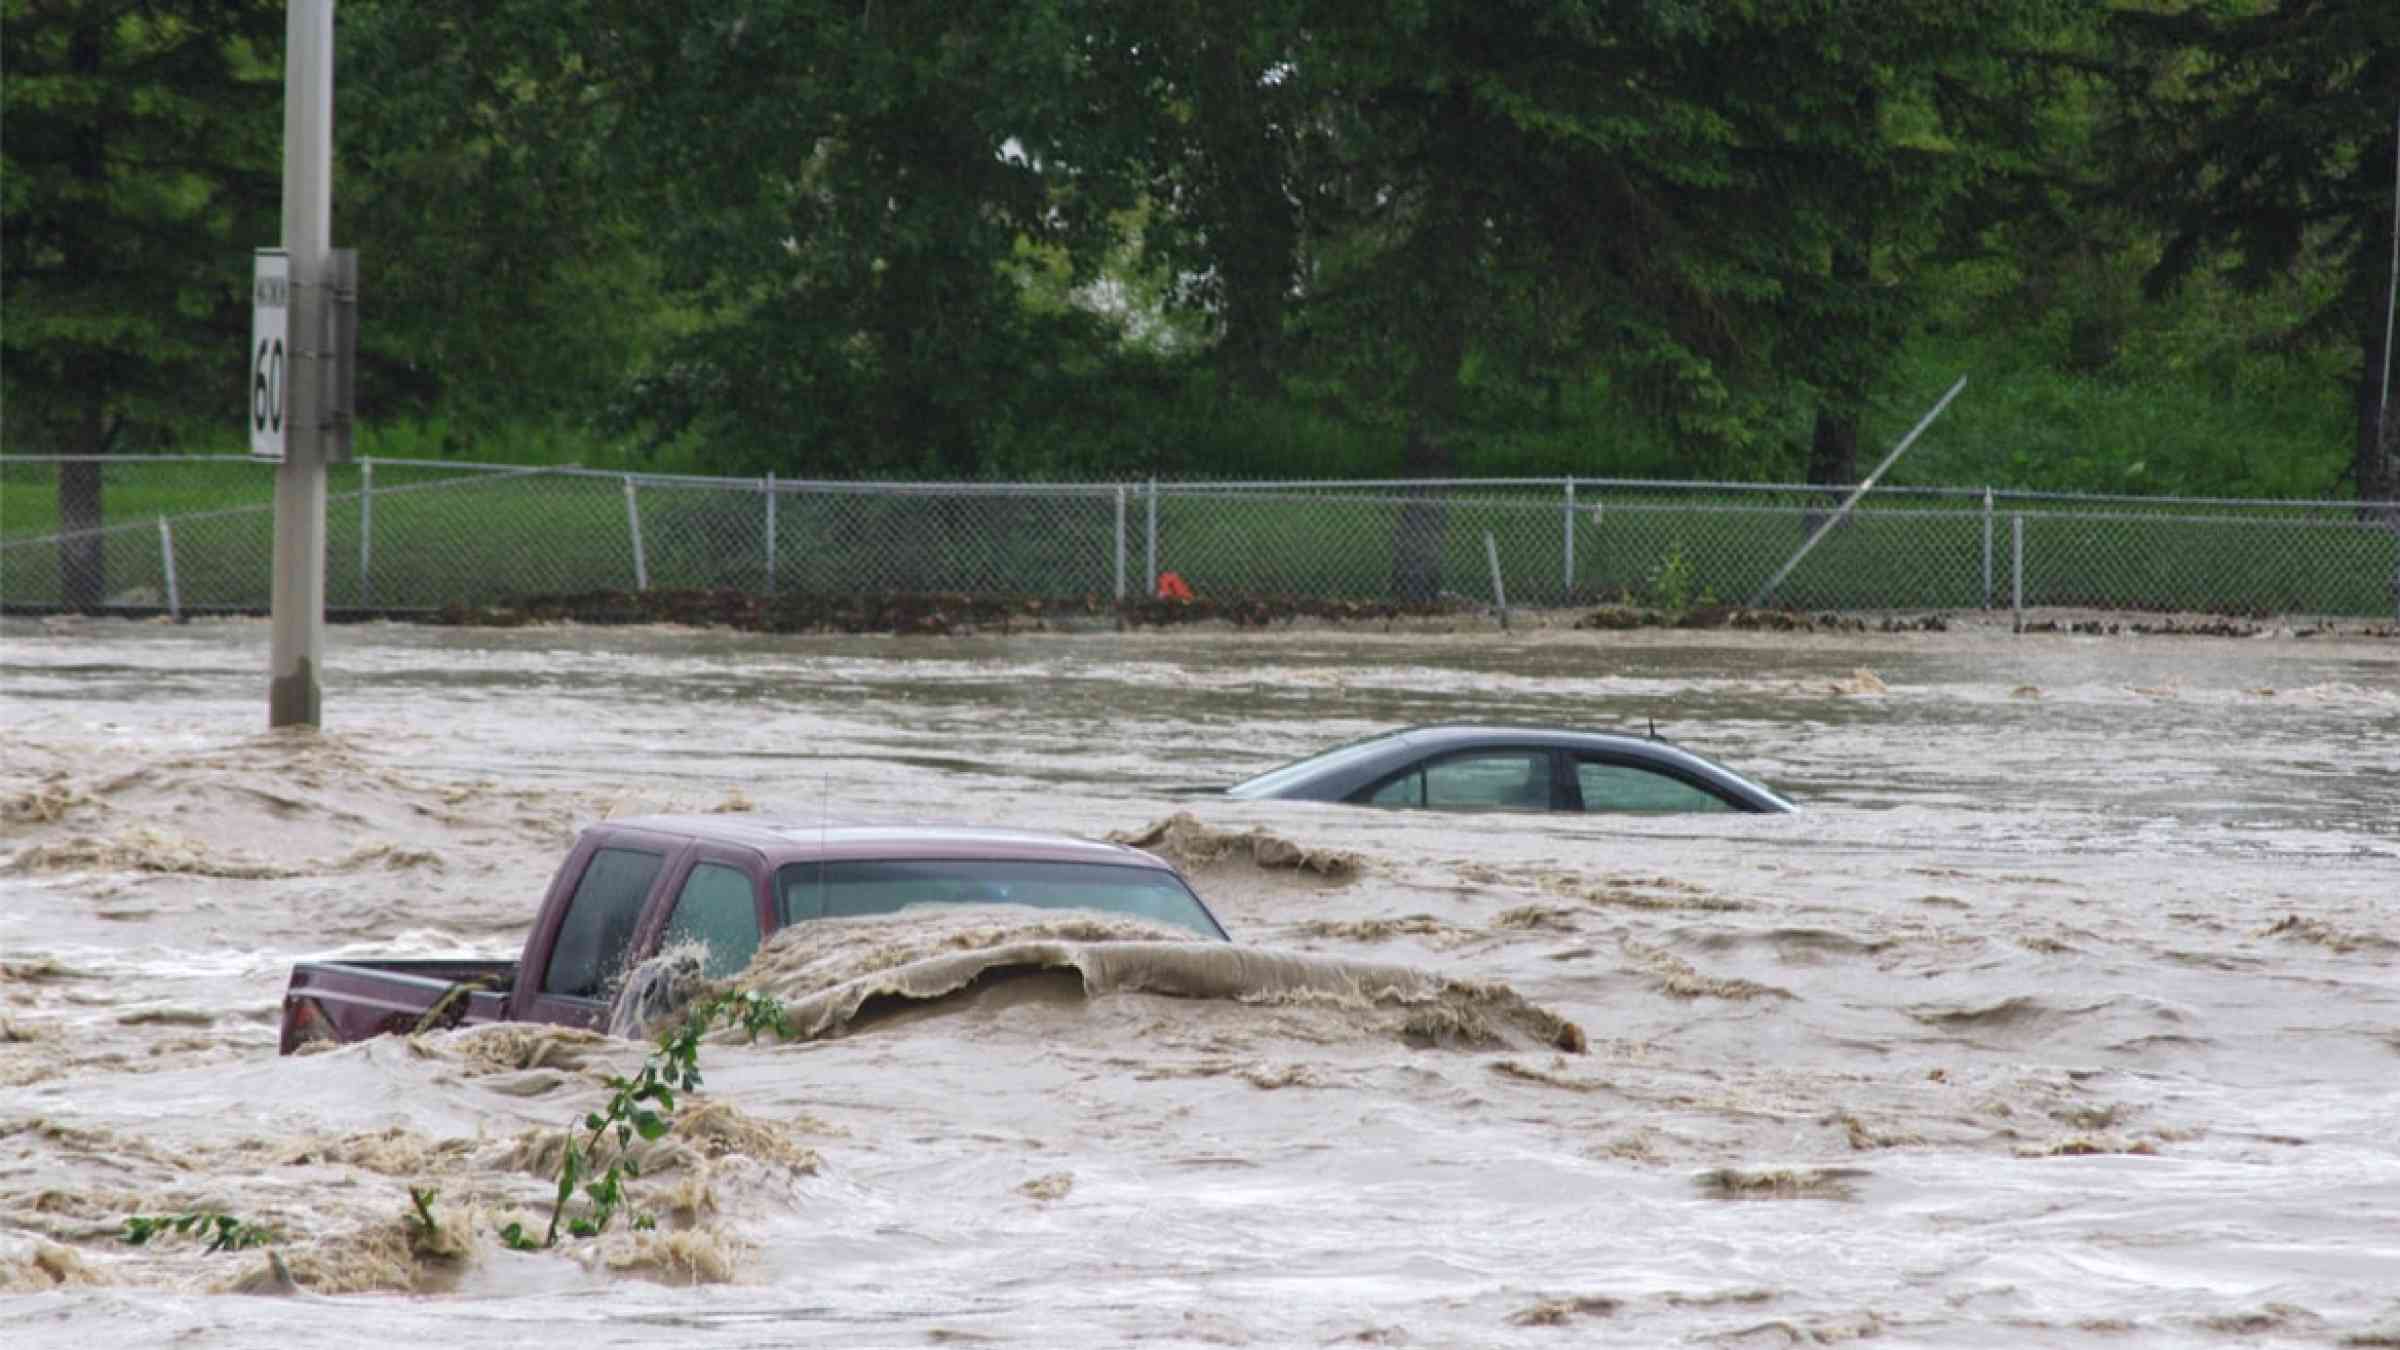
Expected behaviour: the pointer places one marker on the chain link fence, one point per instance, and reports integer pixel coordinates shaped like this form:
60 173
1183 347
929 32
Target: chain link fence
196 535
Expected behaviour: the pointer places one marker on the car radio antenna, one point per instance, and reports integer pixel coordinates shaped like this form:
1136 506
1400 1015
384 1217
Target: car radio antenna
1654 728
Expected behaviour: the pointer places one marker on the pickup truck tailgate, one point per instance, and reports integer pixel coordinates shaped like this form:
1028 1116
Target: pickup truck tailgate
347 1001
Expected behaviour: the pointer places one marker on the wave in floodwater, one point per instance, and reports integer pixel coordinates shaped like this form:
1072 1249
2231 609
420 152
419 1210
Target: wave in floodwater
2061 1014
833 975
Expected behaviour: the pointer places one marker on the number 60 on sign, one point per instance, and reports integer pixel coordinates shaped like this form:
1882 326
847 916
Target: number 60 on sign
270 334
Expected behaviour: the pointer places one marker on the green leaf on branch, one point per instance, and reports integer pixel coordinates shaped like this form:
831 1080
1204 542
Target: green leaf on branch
644 1105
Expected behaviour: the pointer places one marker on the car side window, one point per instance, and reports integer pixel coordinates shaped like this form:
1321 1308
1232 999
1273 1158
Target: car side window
1626 787
599 922
1513 780
716 907
1517 780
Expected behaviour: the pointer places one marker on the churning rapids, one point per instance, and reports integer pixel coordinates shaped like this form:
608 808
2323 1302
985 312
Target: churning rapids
2066 1013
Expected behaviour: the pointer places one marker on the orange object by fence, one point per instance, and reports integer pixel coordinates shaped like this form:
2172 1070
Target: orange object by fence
1171 587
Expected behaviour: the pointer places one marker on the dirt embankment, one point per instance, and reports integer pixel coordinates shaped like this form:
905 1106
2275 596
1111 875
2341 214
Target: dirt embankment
929 612
945 613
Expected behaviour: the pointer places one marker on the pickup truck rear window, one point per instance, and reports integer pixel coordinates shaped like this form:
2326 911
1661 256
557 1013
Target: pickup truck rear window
853 887
599 923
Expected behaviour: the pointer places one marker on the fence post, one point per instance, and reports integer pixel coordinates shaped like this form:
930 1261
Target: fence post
1120 543
2016 550
1599 541
1491 554
1569 595
166 553
366 532
633 522
1152 587
770 533
1987 547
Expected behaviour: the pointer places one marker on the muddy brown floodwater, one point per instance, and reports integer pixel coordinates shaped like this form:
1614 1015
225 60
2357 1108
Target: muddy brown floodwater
2066 1013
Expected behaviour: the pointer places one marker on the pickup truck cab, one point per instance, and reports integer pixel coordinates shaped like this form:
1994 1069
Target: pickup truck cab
631 887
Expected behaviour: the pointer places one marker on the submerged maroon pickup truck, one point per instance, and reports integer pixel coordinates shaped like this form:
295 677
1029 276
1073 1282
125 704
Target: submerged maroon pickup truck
630 888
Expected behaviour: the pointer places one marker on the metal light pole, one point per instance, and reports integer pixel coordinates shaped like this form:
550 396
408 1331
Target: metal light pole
298 614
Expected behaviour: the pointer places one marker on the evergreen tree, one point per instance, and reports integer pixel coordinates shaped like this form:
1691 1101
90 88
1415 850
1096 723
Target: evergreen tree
503 279
1870 141
840 193
139 175
2266 144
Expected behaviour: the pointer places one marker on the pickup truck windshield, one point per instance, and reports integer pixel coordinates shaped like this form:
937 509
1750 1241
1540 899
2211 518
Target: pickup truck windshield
845 888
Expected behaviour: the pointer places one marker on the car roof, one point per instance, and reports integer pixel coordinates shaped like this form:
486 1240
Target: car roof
783 840
1332 774
1435 735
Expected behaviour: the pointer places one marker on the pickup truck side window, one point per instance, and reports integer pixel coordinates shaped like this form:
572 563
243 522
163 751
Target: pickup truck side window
716 907
591 939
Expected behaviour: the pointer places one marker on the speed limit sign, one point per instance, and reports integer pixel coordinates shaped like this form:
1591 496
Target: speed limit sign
270 360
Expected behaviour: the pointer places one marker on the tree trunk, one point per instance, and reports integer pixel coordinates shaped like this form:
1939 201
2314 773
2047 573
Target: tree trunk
1857 350
1246 159
1841 404
82 569
1833 452
1433 400
2371 457
82 578
1424 519
2375 454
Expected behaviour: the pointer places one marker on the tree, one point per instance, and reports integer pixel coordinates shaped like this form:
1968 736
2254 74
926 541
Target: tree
2266 144
1230 123
1515 185
139 176
841 193
504 280
1871 142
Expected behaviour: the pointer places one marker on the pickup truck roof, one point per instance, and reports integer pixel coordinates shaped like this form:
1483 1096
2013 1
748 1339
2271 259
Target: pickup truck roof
779 840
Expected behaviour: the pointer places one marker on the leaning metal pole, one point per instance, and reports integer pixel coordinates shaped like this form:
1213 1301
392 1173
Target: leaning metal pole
2383 401
297 613
1836 518
2391 299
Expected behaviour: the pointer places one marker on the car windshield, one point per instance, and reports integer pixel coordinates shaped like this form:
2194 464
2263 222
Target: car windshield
850 887
1275 780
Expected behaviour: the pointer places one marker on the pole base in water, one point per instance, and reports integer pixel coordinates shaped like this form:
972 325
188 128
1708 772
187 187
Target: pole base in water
293 700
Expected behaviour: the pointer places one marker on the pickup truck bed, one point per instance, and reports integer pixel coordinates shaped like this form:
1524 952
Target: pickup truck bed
345 1001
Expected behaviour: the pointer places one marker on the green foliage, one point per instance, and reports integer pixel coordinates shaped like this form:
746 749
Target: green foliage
1317 238
503 282
2262 144
640 1106
224 1232
136 178
1673 582
2231 421
422 1226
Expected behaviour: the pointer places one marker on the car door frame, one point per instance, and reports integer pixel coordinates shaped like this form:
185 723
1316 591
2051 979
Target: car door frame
528 1001
652 929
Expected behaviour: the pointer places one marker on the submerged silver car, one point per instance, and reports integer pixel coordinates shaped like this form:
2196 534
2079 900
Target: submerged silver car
1455 767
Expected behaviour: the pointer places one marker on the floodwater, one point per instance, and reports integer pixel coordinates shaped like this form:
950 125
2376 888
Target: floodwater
2066 1013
